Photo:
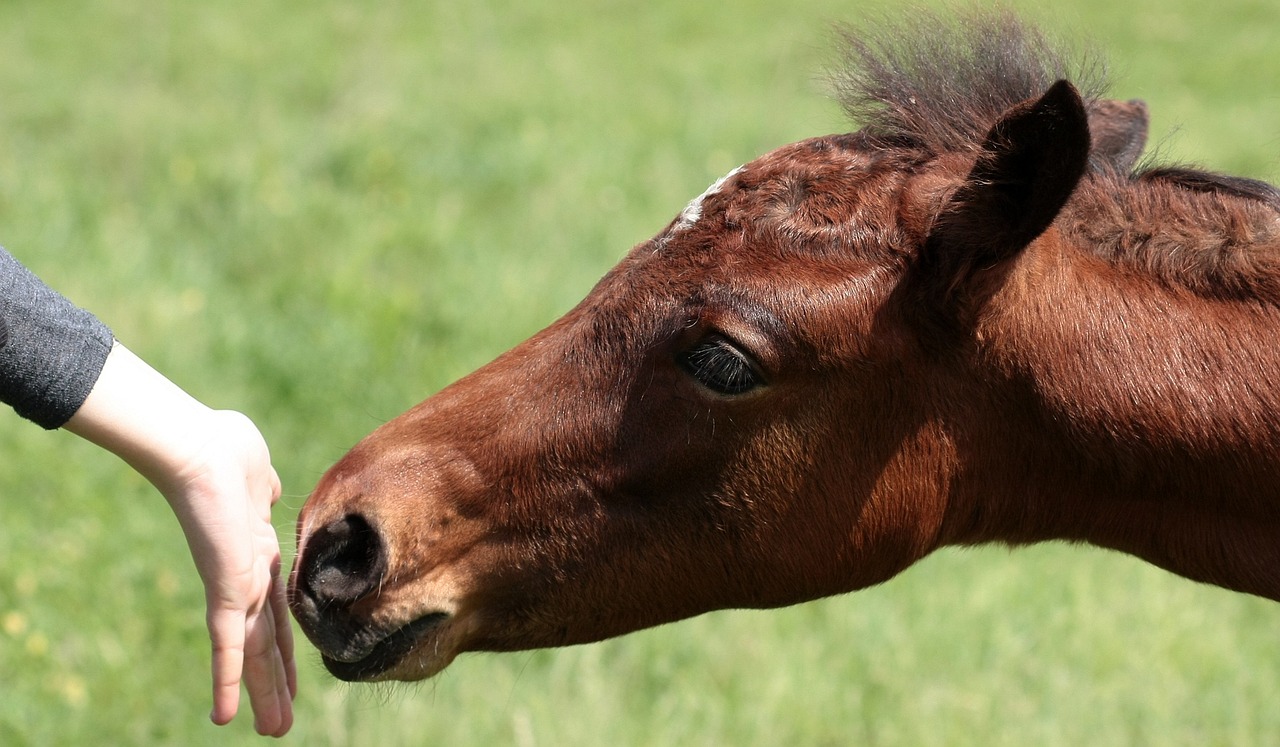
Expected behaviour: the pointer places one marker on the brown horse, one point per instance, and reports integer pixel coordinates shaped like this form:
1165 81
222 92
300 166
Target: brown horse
970 321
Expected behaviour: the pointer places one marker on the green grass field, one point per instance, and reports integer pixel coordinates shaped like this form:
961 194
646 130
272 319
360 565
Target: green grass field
321 212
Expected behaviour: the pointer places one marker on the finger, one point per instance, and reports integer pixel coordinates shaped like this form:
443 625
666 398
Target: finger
284 634
264 677
287 684
226 630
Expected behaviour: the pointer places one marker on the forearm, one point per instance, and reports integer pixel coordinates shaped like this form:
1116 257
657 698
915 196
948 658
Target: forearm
142 417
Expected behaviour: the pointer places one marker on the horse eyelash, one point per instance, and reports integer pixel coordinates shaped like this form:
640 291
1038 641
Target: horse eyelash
718 365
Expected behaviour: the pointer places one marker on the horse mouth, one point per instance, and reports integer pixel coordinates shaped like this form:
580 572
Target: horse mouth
387 653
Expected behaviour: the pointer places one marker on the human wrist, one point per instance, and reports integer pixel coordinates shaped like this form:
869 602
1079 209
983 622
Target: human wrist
145 419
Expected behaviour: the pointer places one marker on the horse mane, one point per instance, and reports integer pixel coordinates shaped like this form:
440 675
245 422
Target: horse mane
1205 181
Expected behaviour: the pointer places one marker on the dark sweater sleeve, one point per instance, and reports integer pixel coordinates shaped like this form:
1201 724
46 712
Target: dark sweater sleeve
51 352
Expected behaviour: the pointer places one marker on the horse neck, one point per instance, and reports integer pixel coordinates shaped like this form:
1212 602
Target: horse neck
1130 414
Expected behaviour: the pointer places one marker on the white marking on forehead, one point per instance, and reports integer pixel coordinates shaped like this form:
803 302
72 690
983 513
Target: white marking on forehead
693 211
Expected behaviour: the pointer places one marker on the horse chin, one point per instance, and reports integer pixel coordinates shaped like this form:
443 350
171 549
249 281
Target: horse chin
414 651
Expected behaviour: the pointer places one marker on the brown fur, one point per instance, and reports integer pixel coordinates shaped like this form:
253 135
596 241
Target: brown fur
970 321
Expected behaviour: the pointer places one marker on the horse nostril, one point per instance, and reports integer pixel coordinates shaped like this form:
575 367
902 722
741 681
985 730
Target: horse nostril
344 561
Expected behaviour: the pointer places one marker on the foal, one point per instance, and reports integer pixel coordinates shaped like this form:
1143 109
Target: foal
969 321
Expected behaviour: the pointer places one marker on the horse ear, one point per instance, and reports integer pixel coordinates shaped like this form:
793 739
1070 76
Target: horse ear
1119 132
1029 164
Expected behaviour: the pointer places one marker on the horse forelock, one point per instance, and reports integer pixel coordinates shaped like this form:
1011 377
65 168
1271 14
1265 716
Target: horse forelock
941 84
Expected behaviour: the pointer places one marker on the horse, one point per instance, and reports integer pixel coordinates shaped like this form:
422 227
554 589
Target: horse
979 318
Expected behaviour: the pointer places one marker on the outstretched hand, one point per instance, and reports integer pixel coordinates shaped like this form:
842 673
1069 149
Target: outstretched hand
223 500
215 470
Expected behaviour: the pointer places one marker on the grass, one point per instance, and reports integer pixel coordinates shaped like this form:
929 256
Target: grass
320 212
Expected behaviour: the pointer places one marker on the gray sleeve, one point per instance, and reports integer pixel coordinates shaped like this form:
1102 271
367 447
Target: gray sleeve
51 352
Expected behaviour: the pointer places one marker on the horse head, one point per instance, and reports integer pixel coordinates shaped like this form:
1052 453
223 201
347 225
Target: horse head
752 409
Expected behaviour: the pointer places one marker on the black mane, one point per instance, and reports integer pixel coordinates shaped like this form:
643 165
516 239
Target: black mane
1204 181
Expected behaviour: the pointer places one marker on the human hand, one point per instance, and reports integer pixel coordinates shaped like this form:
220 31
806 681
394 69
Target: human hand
214 469
223 500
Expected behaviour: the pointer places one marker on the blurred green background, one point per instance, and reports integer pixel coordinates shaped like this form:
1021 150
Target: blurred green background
321 212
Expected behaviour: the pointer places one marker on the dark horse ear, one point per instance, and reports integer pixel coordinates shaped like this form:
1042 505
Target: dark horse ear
1119 132
1029 164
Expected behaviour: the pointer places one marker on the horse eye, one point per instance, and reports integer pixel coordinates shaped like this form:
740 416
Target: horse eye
720 366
